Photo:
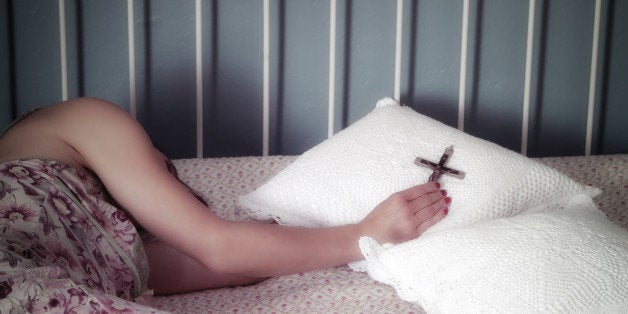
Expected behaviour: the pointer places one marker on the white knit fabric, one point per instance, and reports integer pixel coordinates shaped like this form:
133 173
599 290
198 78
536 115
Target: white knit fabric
571 260
342 179
519 236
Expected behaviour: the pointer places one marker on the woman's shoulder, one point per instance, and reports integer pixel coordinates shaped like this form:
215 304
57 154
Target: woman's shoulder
53 131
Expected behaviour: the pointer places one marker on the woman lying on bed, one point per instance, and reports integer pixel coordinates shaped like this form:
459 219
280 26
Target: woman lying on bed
65 239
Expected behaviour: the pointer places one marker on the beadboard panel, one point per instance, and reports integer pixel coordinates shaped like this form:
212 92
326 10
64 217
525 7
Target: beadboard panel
243 77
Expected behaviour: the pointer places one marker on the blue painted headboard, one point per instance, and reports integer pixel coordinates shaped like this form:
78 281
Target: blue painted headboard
254 77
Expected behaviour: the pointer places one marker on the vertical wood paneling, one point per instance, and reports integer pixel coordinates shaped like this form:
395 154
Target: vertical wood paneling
63 50
527 89
178 90
495 104
331 92
132 53
593 81
432 58
234 127
208 11
37 53
613 123
104 51
6 84
371 55
341 72
170 109
73 43
558 125
266 79
276 42
141 58
398 49
304 105
198 53
464 57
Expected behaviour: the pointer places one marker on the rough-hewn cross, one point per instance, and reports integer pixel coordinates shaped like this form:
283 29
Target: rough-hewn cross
439 168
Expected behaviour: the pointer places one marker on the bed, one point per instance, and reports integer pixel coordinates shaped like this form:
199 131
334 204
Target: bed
341 290
512 72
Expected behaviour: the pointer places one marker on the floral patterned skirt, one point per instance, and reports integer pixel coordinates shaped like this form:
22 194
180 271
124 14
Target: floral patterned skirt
63 246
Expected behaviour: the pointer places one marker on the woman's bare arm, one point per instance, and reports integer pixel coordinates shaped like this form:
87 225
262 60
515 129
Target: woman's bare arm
174 272
119 151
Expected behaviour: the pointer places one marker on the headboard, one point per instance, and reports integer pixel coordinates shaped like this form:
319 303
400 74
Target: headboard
257 77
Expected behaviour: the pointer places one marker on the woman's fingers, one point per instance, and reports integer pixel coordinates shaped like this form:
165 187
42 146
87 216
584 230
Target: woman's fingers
431 221
427 199
432 208
417 191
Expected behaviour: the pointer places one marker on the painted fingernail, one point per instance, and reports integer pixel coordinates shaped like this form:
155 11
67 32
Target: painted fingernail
446 210
443 192
447 200
437 185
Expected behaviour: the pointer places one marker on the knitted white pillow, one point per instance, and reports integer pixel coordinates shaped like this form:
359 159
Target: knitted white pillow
572 260
342 179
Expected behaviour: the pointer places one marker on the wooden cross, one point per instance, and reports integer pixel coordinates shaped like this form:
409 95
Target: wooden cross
439 168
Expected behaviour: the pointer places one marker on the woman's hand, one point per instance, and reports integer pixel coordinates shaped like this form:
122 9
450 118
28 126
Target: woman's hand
407 214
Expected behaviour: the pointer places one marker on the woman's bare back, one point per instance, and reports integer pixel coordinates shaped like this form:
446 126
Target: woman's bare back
36 136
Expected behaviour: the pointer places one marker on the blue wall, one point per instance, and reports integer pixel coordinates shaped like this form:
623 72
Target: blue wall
163 91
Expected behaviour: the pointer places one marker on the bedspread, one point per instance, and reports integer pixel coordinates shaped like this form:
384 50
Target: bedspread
339 289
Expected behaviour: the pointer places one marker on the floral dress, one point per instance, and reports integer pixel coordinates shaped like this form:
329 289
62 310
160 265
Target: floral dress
63 247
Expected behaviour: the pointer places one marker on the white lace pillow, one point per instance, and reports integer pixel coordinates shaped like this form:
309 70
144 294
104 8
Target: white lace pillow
342 179
569 261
